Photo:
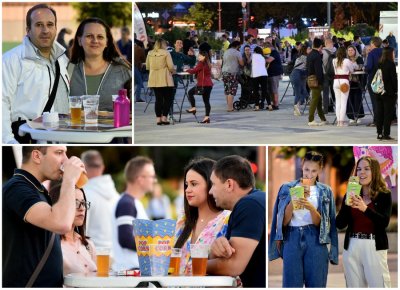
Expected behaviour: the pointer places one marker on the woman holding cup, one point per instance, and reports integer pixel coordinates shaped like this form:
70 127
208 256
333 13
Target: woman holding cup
79 254
366 218
203 221
301 230
96 66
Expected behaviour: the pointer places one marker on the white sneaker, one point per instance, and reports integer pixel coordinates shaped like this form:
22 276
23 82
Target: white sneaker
296 110
359 121
313 123
351 121
323 123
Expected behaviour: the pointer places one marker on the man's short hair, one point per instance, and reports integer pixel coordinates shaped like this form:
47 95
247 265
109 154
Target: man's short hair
27 152
317 43
36 7
376 41
247 37
237 168
92 159
125 29
134 167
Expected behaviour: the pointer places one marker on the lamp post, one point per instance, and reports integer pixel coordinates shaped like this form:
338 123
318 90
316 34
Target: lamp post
244 11
219 16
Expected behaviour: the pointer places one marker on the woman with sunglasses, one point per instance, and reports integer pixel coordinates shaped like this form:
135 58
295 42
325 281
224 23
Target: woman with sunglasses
366 218
301 236
79 254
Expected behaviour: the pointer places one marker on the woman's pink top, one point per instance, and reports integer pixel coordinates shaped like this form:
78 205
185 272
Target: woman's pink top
77 258
214 229
199 69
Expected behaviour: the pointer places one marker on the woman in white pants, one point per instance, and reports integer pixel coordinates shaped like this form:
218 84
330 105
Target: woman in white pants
343 67
367 216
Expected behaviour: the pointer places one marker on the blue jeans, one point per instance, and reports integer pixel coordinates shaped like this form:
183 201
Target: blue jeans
138 83
305 260
298 78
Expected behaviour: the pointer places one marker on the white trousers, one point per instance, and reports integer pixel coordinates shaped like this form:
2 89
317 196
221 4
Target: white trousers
364 266
340 99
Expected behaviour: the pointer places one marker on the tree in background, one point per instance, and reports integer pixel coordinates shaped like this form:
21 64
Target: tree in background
115 14
202 17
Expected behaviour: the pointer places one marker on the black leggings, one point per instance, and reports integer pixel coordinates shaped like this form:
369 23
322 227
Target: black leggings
206 98
384 113
164 98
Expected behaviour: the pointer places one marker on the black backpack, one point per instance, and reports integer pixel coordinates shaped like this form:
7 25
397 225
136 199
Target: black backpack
329 69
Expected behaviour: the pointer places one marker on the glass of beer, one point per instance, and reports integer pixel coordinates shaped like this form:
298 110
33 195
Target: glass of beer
199 254
83 179
103 261
175 261
75 108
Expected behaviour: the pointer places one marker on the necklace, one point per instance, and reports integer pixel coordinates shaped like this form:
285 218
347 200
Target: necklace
101 81
38 189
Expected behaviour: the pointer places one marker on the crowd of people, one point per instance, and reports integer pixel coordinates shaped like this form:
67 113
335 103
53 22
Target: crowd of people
344 71
64 224
38 76
304 231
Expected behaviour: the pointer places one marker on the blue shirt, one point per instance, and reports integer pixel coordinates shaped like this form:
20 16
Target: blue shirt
248 220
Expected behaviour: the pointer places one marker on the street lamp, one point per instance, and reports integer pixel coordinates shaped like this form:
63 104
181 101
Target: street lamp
244 11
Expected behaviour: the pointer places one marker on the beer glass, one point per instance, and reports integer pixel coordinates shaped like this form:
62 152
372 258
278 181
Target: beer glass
75 109
91 108
103 261
83 179
175 261
199 254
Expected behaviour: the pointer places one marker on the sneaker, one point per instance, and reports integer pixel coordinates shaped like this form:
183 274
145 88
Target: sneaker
296 111
351 121
313 123
323 123
359 121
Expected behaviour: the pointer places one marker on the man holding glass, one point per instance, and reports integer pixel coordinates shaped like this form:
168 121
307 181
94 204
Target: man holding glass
31 221
242 251
34 74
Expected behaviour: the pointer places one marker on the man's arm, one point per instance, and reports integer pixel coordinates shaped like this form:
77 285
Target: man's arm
59 217
10 78
237 263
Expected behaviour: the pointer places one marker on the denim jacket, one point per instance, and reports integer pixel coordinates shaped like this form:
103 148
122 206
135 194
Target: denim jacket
327 210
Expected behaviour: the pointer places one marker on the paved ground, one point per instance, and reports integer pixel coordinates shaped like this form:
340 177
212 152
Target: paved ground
335 276
247 126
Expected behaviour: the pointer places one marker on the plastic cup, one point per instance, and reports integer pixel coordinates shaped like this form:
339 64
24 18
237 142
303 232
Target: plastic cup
83 179
306 183
175 261
91 108
199 254
103 261
75 109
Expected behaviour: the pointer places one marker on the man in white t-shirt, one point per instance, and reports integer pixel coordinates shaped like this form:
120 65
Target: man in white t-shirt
140 178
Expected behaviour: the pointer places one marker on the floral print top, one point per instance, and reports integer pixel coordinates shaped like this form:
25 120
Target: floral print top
214 229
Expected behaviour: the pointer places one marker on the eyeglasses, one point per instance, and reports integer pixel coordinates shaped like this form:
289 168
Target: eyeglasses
312 156
85 204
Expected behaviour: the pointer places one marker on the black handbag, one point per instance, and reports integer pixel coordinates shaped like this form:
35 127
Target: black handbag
199 90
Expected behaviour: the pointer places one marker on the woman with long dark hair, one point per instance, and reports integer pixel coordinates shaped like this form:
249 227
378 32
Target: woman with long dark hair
97 66
366 218
386 103
203 221
203 75
303 227
79 254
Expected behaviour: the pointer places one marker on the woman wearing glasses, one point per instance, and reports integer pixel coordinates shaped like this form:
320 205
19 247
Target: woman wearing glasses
366 218
302 229
79 254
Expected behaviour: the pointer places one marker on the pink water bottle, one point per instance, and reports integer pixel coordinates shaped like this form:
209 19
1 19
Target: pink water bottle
122 109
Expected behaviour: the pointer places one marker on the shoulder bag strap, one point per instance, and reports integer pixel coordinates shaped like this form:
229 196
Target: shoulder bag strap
39 267
52 96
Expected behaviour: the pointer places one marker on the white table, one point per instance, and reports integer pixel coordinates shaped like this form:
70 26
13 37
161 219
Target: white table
92 281
74 136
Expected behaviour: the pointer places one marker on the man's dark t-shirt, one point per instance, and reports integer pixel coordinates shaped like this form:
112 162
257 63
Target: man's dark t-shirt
248 220
23 243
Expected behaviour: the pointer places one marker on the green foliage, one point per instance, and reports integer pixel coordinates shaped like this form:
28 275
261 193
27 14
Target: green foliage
115 14
175 33
361 29
202 17
9 45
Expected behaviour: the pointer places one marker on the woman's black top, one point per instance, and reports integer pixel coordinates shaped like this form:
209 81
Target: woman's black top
380 217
